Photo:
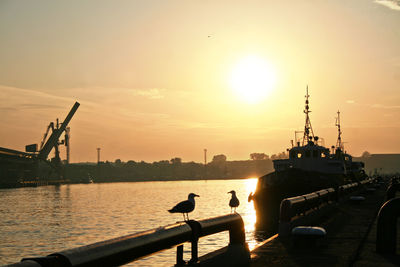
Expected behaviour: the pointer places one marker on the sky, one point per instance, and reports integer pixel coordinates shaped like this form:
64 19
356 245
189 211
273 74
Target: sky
164 79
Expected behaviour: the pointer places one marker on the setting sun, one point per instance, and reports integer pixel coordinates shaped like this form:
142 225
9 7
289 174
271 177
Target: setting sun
253 79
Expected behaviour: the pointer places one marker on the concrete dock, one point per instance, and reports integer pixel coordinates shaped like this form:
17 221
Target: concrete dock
350 238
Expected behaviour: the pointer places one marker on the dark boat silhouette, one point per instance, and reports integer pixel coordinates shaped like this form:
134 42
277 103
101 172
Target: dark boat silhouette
310 166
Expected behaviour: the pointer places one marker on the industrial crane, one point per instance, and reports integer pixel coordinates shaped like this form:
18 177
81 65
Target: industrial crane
22 168
53 141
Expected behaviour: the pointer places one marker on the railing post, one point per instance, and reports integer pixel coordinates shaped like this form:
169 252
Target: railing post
195 251
386 232
179 256
237 233
196 233
285 217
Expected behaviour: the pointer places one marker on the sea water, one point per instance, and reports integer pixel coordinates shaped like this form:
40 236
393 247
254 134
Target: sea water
43 220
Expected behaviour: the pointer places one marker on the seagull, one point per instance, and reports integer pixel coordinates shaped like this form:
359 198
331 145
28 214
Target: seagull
185 206
234 202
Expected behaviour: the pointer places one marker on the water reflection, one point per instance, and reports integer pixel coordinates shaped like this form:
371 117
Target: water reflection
250 213
39 221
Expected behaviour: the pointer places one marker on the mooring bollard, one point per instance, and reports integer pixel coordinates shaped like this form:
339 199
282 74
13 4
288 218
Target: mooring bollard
386 233
391 191
307 236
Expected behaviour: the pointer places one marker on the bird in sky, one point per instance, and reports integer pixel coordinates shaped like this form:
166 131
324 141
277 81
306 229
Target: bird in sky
234 202
185 207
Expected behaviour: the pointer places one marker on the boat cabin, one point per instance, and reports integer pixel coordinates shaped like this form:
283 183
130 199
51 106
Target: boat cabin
311 157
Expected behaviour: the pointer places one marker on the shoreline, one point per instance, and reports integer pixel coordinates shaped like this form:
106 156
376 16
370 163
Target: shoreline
49 182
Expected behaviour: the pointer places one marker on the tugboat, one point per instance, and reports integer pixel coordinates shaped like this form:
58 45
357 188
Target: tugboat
310 166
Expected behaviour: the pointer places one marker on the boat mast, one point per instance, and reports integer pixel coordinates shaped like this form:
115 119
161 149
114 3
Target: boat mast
308 131
339 143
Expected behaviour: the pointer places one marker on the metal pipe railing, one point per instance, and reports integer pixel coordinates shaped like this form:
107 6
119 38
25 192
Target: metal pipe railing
394 186
300 205
121 250
231 222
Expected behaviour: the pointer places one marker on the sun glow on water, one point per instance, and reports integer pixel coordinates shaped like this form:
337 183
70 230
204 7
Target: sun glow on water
253 79
250 213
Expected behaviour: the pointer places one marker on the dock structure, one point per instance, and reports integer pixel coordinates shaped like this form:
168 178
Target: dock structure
351 234
18 168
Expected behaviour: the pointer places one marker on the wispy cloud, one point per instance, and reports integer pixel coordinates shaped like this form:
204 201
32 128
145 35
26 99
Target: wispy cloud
395 61
153 93
392 4
18 99
385 107
8 92
369 105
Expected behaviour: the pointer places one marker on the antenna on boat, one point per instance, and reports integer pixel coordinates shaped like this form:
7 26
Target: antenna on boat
339 143
308 131
295 137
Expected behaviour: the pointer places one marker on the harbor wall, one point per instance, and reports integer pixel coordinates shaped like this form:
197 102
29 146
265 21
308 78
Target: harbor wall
381 163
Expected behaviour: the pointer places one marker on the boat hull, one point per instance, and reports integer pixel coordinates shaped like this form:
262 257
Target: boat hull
274 187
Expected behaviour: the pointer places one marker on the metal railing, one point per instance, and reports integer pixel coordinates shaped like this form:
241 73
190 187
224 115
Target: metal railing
386 228
394 186
129 248
294 207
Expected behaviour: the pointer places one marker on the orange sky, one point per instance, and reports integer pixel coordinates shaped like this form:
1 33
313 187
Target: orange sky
154 77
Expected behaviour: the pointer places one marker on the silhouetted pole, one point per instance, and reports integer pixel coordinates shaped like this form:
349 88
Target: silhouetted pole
205 163
98 162
98 155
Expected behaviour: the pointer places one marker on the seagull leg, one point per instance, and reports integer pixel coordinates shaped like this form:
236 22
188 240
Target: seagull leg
184 216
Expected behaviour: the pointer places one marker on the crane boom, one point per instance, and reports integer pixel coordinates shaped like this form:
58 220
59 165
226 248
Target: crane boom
53 139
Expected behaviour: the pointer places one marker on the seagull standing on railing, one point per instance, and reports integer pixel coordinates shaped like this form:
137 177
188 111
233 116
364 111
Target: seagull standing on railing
234 202
185 206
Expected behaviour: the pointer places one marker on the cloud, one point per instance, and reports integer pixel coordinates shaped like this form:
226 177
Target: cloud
392 4
385 107
38 106
18 99
153 93
395 61
8 92
350 101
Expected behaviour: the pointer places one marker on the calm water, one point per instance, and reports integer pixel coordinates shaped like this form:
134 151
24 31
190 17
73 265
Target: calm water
39 221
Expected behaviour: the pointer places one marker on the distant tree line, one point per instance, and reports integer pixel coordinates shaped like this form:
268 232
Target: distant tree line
219 168
173 169
262 156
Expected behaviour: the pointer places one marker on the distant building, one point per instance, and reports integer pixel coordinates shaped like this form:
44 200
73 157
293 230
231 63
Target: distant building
381 163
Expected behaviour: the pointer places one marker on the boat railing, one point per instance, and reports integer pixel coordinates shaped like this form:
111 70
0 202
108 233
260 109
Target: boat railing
299 206
125 249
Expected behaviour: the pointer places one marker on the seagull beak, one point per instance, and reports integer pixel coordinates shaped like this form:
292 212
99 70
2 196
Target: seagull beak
196 195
